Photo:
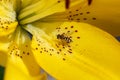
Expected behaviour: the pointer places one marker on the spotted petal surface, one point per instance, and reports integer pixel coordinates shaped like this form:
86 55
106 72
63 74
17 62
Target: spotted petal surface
20 60
104 14
7 18
76 51
49 34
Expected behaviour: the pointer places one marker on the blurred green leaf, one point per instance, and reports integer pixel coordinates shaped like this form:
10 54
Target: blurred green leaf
1 72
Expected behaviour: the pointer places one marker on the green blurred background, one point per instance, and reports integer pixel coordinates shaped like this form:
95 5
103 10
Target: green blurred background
1 72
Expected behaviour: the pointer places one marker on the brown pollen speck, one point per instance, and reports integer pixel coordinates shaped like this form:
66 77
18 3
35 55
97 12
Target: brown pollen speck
64 59
58 52
65 27
78 37
76 30
94 18
71 26
68 31
50 54
20 56
28 53
23 52
58 1
36 48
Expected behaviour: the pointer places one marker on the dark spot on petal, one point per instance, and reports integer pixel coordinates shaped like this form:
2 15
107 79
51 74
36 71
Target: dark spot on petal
64 59
69 51
64 54
70 12
26 45
88 12
81 13
58 1
36 48
23 52
76 30
70 15
94 18
52 49
84 18
78 37
77 10
71 19
65 27
76 14
69 46
38 44
78 19
71 26
68 31
6 28
58 52
28 53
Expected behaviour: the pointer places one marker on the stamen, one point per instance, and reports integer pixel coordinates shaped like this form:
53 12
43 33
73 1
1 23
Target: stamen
89 2
67 4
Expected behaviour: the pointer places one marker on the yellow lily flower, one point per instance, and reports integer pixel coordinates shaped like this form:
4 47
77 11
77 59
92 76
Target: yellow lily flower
49 34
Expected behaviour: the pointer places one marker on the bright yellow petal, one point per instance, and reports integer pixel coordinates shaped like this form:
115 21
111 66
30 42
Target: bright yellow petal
83 52
7 29
20 58
14 72
4 43
3 58
104 14
26 3
42 9
8 22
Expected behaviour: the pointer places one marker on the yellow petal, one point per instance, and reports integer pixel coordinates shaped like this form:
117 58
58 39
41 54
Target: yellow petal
14 72
104 14
7 29
42 9
3 58
76 51
8 22
4 43
39 10
16 5
20 58
26 3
